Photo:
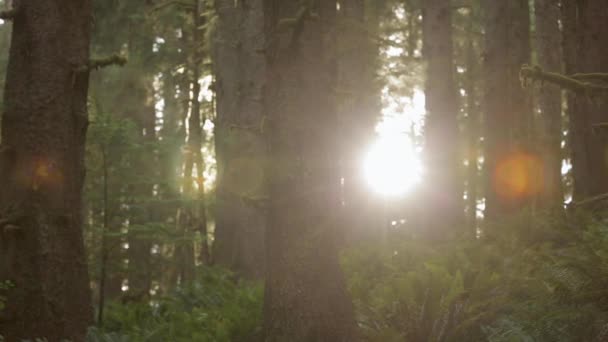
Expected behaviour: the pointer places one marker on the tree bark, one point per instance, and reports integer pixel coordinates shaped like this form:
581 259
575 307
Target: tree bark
42 171
241 146
305 298
509 173
359 109
473 126
586 49
548 50
442 150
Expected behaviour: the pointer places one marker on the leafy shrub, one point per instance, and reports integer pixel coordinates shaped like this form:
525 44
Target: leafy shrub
214 308
535 280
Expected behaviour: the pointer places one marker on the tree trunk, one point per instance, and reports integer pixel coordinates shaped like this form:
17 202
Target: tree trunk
548 48
305 297
586 48
442 152
508 164
141 212
42 170
196 131
240 68
359 110
473 122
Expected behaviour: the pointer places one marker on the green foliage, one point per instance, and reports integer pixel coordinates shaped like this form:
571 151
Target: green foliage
516 287
214 308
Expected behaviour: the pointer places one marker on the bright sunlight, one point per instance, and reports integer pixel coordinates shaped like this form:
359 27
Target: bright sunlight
392 165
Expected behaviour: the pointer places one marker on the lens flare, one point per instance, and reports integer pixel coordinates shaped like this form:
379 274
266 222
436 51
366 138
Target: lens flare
518 176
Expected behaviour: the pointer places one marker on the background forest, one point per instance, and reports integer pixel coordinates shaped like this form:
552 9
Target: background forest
304 170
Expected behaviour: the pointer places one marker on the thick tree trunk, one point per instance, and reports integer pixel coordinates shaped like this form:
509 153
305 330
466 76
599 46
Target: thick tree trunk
586 48
305 297
548 50
42 172
508 166
442 152
359 110
240 68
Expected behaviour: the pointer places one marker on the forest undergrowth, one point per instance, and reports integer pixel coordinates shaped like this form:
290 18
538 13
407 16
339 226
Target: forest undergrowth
541 279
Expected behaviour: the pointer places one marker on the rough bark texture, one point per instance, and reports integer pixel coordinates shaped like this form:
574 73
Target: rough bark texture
305 297
548 50
507 109
240 69
42 172
443 157
587 53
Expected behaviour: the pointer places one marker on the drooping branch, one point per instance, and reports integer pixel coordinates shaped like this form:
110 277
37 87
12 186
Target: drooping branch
97 63
8 14
580 84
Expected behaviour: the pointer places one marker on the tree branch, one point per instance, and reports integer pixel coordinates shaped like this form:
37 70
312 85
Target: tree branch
590 200
601 77
97 63
567 82
8 14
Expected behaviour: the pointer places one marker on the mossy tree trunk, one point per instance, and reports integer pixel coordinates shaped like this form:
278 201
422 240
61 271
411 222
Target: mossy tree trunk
42 172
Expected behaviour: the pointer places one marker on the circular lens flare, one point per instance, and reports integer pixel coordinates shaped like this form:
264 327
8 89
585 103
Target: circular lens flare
392 166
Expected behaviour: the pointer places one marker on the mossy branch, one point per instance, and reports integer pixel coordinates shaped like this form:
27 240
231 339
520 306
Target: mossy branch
97 63
8 14
601 77
535 73
188 5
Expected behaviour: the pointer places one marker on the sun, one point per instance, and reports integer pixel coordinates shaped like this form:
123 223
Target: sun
392 166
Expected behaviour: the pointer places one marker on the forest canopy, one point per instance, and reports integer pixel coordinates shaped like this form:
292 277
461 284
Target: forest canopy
303 170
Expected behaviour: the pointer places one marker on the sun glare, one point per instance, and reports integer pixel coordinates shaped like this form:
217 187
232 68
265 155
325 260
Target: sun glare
392 165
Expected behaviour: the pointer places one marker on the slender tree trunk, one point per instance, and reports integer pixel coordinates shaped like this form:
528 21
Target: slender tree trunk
473 123
196 131
141 211
305 297
42 171
444 162
508 169
241 148
548 49
139 81
183 257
